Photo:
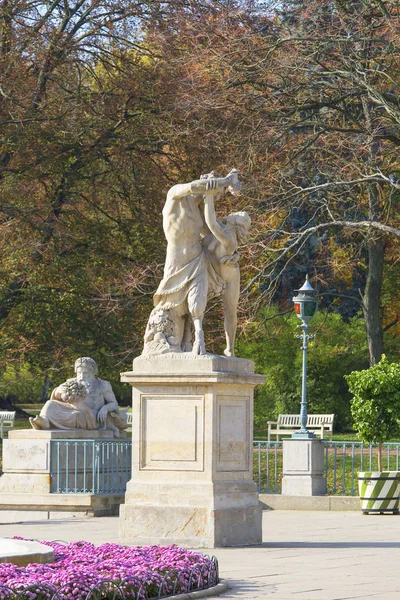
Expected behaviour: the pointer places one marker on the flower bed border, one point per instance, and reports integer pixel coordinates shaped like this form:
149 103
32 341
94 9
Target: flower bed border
216 590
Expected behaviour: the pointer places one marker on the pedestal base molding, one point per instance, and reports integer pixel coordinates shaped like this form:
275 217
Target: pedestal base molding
190 527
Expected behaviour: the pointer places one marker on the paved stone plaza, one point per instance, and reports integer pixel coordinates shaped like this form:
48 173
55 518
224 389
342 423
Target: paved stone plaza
304 556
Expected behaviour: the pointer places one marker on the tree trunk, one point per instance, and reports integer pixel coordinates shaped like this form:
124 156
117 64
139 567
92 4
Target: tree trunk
5 28
45 388
376 252
372 297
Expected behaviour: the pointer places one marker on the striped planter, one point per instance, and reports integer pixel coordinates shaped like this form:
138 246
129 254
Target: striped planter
379 491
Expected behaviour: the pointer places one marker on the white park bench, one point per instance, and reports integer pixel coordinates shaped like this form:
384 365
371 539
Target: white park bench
7 418
129 421
288 424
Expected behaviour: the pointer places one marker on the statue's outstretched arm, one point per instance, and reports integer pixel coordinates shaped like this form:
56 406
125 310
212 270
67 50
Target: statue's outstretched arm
215 184
209 186
211 220
179 191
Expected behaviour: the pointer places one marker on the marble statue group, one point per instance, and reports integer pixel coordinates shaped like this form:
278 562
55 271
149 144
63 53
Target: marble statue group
201 263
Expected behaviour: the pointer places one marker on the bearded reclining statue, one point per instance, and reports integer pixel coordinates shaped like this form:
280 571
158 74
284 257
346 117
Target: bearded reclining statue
84 402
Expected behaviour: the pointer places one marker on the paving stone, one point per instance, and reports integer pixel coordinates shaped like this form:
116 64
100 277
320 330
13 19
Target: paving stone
305 555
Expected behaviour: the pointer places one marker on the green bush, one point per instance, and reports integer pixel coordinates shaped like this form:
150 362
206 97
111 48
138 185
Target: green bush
375 406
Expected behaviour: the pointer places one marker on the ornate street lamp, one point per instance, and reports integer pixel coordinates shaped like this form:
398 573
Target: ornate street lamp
305 306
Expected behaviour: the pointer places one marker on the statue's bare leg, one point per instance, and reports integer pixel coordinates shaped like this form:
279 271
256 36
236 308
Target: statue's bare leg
197 301
187 335
39 422
199 346
230 298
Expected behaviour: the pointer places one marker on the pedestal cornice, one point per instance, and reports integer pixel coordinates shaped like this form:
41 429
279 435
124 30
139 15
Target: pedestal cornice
186 368
133 377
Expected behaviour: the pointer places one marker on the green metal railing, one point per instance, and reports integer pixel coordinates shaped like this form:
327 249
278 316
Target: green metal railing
343 461
104 466
90 466
267 466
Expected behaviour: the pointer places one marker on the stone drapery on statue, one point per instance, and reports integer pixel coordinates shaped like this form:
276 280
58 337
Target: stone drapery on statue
201 263
84 402
173 290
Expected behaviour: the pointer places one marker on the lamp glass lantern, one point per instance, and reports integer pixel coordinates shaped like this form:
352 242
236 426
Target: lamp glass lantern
305 303
305 307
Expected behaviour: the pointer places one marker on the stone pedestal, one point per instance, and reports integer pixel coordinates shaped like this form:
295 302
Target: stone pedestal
26 484
303 468
192 456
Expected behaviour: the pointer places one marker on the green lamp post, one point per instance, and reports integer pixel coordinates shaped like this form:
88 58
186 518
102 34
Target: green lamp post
305 306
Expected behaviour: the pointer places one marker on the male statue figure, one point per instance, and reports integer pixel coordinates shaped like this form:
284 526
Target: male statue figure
187 278
71 401
100 398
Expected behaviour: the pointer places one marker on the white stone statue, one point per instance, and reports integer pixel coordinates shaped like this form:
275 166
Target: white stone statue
221 246
201 262
85 402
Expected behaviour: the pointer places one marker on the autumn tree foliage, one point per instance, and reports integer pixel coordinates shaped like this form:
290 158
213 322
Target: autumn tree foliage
304 97
90 144
104 105
81 167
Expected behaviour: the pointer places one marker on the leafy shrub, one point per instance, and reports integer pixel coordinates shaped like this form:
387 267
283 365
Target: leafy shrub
376 403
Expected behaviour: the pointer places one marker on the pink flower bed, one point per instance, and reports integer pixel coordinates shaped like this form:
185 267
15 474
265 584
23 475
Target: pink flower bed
82 571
